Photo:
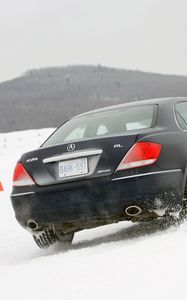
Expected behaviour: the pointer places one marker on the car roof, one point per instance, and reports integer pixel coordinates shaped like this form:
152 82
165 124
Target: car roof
169 100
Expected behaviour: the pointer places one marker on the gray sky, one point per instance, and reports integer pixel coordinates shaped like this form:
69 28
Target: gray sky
148 35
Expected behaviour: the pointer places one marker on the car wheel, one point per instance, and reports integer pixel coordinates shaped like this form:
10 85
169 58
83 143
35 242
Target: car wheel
65 239
45 238
48 237
177 218
183 213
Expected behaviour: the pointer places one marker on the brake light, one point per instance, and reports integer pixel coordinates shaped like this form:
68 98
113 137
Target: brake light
141 154
21 177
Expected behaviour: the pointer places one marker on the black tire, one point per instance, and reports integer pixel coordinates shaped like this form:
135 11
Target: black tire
48 237
65 239
176 219
183 213
45 238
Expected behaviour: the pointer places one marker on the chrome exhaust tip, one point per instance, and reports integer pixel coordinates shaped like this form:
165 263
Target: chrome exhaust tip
33 225
133 211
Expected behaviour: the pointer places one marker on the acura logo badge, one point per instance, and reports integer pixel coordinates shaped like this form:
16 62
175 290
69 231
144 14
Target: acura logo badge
71 147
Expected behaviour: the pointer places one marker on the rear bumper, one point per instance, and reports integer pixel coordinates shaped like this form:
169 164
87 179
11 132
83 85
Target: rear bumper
99 199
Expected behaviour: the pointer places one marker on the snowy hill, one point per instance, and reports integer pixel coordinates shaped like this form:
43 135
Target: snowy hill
122 261
38 98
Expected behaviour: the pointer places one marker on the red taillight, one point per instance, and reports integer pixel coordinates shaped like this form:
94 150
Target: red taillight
141 154
21 177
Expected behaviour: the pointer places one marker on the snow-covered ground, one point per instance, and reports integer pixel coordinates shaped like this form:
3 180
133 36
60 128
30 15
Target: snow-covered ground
121 261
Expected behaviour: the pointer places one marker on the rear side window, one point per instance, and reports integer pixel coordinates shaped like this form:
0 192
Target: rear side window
181 114
102 124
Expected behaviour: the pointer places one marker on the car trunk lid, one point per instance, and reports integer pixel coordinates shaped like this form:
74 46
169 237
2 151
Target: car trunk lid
77 161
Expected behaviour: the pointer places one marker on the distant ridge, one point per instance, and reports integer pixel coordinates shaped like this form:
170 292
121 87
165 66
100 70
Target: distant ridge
47 97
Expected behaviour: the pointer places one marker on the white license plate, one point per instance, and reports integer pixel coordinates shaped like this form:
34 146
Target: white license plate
73 167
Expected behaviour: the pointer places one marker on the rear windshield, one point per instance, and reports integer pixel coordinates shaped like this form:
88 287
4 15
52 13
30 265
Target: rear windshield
102 124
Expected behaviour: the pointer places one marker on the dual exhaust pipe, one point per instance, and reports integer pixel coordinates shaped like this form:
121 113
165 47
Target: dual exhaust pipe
32 224
133 211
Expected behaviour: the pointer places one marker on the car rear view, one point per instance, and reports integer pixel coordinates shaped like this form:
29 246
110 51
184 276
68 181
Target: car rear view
89 173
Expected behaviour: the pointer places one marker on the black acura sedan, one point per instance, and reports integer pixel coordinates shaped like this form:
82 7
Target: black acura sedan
124 162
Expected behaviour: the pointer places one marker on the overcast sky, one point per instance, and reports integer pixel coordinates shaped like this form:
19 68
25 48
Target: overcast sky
148 35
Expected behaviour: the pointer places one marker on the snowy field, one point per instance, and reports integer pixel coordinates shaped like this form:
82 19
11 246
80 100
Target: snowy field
122 261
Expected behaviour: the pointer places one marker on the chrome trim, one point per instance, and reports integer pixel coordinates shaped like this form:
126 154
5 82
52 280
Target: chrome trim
22 194
34 223
139 210
147 174
75 154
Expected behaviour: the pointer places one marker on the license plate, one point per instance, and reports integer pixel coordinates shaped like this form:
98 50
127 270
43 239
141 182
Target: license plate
73 167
